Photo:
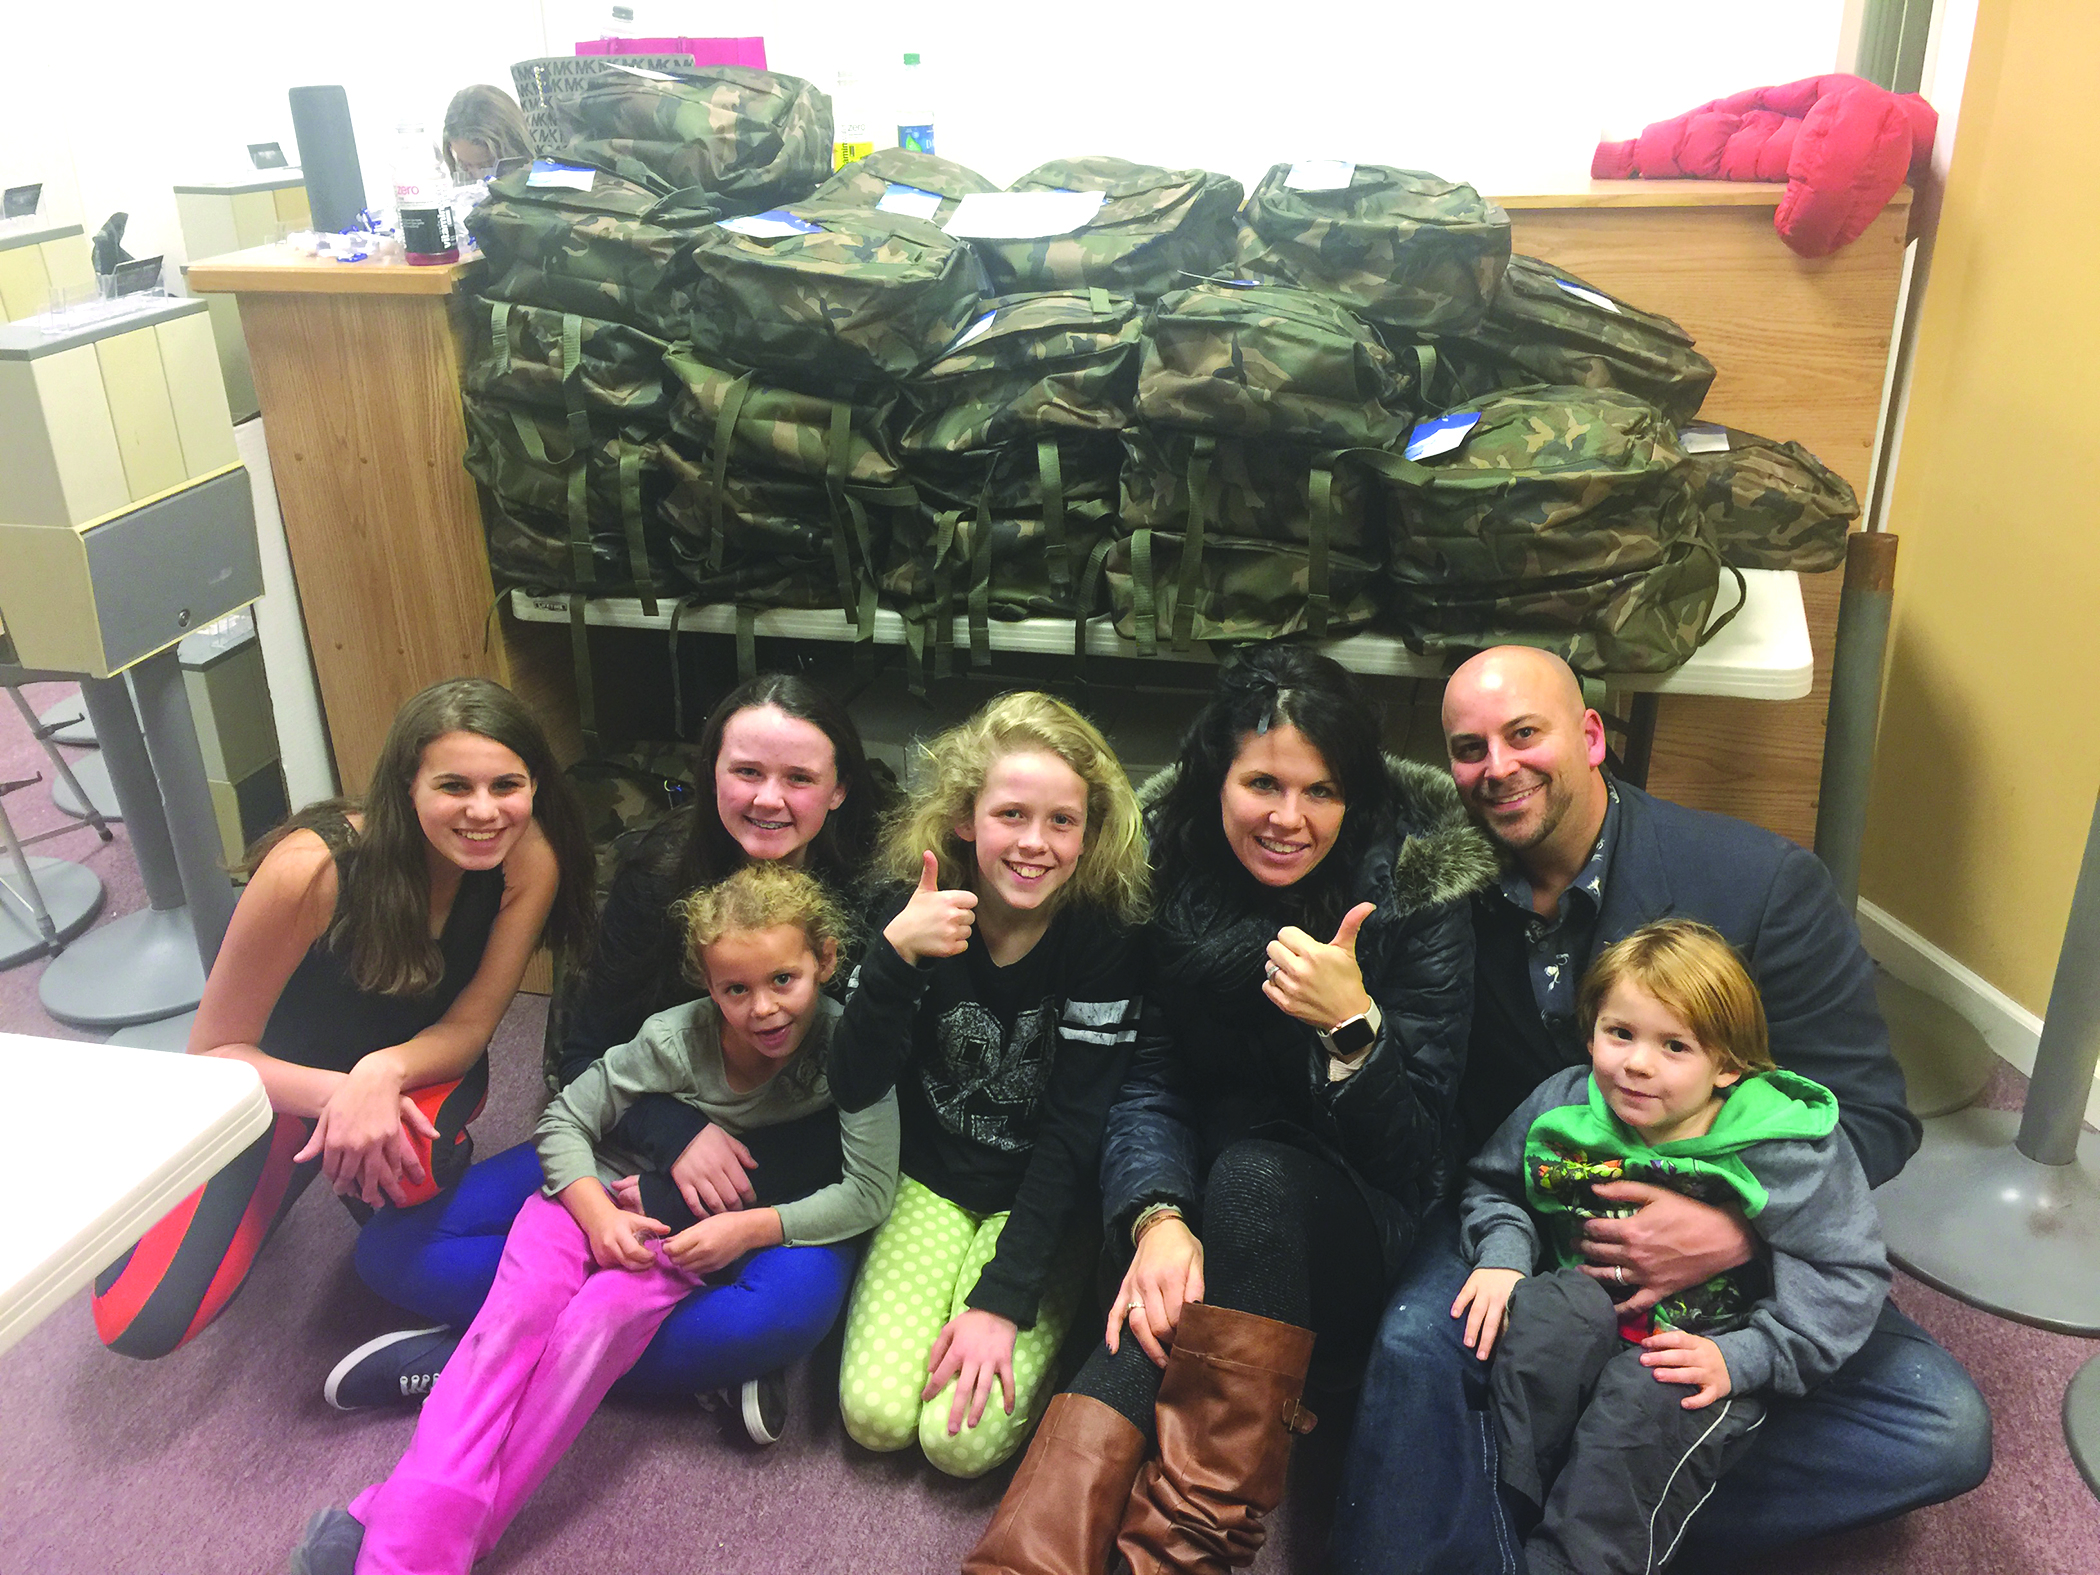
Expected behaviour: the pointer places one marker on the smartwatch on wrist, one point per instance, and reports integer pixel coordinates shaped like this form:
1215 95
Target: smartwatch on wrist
1348 1039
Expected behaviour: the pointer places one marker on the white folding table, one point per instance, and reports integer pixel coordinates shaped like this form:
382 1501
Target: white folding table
163 1125
1762 653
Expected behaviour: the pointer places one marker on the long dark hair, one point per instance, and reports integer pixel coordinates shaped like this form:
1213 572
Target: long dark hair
838 851
1265 687
382 912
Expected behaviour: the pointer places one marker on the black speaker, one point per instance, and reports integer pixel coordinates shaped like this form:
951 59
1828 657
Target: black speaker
335 186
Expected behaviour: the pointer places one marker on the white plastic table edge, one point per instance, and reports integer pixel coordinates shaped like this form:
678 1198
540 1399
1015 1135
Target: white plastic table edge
1763 653
223 1100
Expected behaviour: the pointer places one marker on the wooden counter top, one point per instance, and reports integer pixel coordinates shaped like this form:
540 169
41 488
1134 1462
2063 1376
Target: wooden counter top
280 270
1668 194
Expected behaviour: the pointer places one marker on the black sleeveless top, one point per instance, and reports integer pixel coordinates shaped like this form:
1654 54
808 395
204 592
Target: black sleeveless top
324 1020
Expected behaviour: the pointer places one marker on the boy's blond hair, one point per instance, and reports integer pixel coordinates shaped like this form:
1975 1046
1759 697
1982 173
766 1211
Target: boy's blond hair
1692 970
1113 872
757 897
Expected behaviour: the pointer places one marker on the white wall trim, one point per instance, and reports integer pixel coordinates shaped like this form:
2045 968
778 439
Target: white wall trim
2007 1027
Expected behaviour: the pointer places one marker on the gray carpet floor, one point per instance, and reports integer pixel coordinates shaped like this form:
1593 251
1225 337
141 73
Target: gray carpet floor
208 1462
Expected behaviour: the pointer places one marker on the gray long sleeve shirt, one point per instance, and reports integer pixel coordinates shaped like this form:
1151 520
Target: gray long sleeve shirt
679 1052
1818 1228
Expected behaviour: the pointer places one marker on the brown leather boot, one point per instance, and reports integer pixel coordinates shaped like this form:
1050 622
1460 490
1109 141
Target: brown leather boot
1062 1508
1228 1408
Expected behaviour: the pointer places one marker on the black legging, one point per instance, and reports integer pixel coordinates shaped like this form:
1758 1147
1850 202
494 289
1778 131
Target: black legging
1285 1236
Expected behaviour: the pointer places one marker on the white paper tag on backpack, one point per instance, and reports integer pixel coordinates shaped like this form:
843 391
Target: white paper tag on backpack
1703 437
570 177
1441 435
770 225
642 71
912 201
1023 215
1321 175
1595 298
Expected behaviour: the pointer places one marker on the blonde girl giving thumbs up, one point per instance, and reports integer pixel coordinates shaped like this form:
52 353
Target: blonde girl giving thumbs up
997 997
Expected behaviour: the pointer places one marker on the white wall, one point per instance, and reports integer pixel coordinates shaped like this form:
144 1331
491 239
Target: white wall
1509 97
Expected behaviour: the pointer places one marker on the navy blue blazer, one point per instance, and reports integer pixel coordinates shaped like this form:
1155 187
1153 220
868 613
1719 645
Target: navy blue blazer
1774 902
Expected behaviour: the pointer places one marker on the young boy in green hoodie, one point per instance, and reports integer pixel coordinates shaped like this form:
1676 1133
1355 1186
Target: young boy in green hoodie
1601 1445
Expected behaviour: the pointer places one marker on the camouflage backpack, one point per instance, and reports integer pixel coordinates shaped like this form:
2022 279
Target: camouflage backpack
571 502
1403 249
756 541
1155 227
1547 326
857 299
755 138
865 182
754 425
527 355
983 564
604 253
1772 505
1265 363
1022 413
1563 520
1241 540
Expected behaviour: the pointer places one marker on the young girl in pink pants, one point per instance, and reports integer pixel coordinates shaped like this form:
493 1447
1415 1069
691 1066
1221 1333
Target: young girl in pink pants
584 1282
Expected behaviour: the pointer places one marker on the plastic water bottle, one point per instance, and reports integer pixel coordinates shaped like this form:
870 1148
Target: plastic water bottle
914 108
423 198
853 134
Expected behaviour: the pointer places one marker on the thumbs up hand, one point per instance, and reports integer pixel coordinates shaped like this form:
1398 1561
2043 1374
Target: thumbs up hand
933 923
1318 982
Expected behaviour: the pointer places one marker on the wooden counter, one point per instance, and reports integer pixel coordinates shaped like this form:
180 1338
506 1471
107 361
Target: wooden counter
357 369
1800 349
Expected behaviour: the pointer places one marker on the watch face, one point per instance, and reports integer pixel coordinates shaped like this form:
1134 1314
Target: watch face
1353 1036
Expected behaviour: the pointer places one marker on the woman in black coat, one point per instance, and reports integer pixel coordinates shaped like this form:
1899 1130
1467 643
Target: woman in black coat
1287 1122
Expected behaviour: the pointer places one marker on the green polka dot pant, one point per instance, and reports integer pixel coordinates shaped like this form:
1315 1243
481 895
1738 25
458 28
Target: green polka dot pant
918 1273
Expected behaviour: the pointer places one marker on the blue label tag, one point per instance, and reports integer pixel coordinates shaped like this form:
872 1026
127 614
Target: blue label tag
770 225
1441 435
552 172
914 201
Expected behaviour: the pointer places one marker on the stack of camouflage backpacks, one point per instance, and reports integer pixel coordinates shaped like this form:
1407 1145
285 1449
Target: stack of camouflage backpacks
1547 326
1248 517
1155 230
1407 251
804 323
1564 520
1012 447
753 139
564 383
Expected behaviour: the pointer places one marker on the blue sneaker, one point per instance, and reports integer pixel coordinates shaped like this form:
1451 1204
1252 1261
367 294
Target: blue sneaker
330 1545
395 1369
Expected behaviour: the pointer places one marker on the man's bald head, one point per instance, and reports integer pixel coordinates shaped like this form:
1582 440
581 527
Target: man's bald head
1525 751
1520 675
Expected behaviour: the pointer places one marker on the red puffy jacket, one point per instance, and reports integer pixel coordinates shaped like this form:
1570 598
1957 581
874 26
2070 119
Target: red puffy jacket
1840 143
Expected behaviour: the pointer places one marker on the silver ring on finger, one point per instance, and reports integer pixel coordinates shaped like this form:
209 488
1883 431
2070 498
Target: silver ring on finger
1271 971
1137 1306
1618 1273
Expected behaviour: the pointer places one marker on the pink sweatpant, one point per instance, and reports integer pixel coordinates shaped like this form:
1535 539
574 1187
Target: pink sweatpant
552 1337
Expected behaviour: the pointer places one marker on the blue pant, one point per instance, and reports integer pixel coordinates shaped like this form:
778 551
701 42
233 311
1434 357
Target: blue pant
439 1259
1899 1426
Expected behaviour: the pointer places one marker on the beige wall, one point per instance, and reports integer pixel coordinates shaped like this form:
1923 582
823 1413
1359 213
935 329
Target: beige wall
1990 739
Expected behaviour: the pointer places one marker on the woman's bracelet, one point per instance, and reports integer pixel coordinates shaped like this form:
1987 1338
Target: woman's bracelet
1149 1216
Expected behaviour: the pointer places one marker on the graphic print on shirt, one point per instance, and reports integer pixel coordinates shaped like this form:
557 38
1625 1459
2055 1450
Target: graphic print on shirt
984 1085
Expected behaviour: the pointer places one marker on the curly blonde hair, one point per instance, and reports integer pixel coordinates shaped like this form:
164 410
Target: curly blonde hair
757 897
1112 874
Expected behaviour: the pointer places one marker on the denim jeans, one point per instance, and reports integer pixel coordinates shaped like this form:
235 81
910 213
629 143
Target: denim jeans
1899 1426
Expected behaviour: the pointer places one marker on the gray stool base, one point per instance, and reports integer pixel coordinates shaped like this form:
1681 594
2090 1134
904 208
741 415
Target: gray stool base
169 1033
1973 1216
136 969
80 732
2082 1422
72 896
92 773
1945 1061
